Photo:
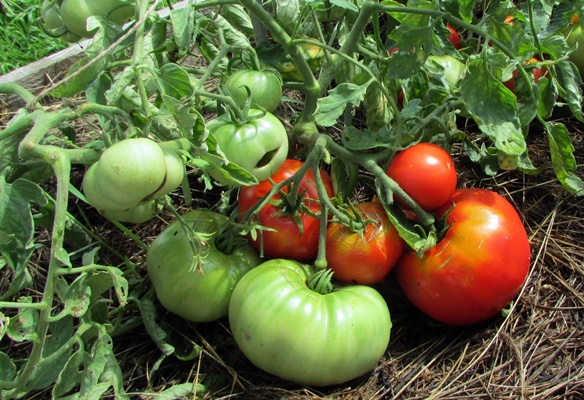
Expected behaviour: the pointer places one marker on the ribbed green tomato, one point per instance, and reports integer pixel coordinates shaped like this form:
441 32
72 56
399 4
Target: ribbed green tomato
289 330
75 13
127 173
265 87
259 146
197 295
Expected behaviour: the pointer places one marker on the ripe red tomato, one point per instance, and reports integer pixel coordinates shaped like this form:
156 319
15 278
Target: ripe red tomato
286 239
426 172
368 257
453 37
537 73
477 268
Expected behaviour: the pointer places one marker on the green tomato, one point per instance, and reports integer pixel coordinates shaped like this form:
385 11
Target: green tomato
137 215
127 173
196 295
50 16
75 13
175 172
264 86
448 66
260 146
575 37
287 329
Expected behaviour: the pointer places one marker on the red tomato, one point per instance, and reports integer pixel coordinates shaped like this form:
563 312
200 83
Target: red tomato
537 73
286 239
368 257
477 268
453 37
426 172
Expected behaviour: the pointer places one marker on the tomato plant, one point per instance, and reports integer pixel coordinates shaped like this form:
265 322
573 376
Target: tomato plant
197 292
477 268
426 172
292 331
259 145
265 88
292 233
75 13
367 256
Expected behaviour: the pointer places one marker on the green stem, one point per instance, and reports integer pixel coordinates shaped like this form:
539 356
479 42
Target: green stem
13 88
62 167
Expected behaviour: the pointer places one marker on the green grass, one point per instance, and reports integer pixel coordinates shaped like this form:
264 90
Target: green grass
21 39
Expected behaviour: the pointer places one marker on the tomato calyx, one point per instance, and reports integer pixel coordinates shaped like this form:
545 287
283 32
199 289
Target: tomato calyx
321 281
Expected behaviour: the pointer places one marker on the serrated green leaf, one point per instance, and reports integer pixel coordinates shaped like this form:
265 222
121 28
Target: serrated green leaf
494 108
105 278
3 324
183 23
175 81
120 85
414 46
563 160
571 87
75 84
236 15
23 326
287 13
331 107
69 377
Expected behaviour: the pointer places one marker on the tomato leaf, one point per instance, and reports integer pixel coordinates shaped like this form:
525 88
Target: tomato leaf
7 367
494 108
331 107
571 84
183 23
175 81
23 326
287 13
79 77
563 160
415 45
17 226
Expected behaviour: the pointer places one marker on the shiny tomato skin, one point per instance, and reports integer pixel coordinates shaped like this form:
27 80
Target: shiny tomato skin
368 257
426 172
477 268
286 240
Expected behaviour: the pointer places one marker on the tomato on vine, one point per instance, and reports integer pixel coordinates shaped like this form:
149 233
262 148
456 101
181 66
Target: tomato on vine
426 172
293 229
265 88
477 268
364 257
287 326
75 13
259 145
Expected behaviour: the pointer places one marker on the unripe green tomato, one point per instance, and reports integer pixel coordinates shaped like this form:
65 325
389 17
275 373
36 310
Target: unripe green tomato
97 199
453 69
265 87
175 172
195 294
75 13
259 146
137 215
127 172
